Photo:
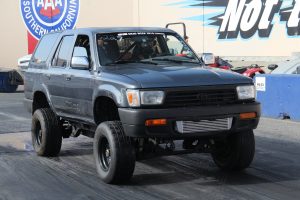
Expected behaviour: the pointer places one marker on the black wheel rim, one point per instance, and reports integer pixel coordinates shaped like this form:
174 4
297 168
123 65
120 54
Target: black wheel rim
104 154
38 134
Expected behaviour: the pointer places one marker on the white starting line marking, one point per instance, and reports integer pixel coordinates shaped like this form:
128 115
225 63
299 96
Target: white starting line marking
12 116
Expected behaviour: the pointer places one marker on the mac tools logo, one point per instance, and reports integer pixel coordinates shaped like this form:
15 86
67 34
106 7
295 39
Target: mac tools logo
248 17
43 16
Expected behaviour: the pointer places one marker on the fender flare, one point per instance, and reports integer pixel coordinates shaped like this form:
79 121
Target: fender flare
42 88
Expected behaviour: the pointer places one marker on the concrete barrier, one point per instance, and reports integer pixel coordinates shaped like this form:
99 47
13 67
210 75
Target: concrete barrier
9 80
279 95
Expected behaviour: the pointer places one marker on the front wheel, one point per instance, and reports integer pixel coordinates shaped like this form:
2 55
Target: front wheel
114 154
236 152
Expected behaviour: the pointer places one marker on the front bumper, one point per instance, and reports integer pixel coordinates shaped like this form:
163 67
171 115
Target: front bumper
133 120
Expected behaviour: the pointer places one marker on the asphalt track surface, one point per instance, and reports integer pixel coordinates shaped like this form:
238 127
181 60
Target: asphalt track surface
274 174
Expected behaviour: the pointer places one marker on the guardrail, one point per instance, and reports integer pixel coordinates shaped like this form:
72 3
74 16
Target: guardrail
279 95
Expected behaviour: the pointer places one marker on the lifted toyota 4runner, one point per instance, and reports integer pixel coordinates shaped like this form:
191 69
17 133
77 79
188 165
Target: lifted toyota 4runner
136 91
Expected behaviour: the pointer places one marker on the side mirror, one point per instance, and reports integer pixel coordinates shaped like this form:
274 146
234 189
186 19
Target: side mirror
272 67
80 59
208 58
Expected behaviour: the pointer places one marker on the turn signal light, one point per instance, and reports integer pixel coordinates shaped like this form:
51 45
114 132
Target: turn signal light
248 115
156 122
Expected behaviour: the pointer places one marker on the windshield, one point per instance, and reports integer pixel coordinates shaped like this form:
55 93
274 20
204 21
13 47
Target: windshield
152 48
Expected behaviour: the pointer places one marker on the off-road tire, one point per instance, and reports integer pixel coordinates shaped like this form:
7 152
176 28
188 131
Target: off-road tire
118 165
46 133
236 152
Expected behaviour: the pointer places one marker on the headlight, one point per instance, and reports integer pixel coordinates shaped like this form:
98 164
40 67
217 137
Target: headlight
152 97
246 92
136 98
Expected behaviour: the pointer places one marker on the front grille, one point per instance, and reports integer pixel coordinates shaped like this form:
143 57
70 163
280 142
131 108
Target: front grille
200 97
204 125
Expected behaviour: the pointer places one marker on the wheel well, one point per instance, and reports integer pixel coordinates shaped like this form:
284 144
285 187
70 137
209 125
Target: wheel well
105 109
39 101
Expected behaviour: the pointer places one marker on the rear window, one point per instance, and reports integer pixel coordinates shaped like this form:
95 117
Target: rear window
44 47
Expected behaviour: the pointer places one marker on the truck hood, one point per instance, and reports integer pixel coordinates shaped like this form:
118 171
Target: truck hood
149 76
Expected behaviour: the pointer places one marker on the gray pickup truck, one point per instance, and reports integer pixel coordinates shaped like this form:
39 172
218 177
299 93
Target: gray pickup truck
139 92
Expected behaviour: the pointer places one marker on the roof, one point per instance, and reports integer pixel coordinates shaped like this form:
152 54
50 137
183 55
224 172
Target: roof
122 29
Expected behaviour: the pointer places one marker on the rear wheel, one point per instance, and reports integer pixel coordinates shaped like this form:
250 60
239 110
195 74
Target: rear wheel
236 152
114 154
46 133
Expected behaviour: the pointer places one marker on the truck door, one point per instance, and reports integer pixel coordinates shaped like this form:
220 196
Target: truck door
78 83
56 77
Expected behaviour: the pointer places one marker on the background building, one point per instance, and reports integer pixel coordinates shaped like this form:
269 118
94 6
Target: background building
224 27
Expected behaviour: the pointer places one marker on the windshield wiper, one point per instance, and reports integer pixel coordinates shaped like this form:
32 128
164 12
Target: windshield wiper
123 61
119 62
165 54
148 62
175 60
132 61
